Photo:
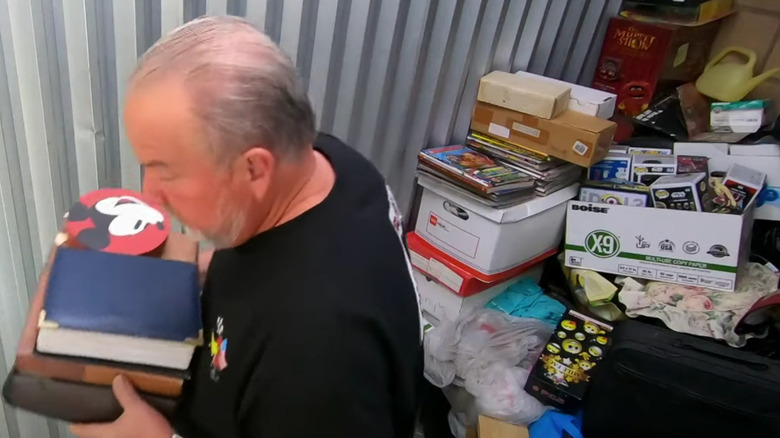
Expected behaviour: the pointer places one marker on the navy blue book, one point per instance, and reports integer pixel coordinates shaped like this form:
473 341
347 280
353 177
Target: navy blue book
131 309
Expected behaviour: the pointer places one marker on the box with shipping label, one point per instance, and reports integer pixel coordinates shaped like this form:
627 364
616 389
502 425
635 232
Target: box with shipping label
572 136
491 240
524 94
583 99
639 60
763 158
646 168
615 192
680 192
561 375
675 246
613 166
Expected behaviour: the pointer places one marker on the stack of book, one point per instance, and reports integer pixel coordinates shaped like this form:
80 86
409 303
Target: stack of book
100 314
548 173
476 175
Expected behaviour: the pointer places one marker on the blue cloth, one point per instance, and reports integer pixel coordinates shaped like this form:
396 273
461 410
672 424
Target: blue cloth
553 423
525 299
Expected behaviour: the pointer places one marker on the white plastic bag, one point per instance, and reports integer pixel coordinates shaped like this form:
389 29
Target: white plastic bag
499 392
490 354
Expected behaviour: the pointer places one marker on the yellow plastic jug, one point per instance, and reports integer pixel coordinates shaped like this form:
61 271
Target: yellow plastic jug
731 81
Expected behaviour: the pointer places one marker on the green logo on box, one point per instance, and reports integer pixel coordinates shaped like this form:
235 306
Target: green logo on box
602 244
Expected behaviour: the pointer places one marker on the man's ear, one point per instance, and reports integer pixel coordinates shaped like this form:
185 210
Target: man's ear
259 168
259 163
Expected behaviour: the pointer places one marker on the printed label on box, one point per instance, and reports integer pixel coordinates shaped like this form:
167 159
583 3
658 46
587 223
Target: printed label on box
688 279
533 132
498 130
452 236
684 247
580 147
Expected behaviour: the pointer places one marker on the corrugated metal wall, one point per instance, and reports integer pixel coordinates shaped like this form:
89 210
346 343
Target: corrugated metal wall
387 76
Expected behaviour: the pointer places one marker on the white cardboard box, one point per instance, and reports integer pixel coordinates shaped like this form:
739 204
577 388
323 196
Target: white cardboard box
491 240
583 99
675 246
761 157
441 303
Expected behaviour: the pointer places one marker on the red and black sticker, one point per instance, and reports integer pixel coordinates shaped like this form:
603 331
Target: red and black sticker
119 221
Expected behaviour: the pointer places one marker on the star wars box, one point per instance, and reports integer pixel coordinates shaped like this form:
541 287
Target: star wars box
680 192
646 168
692 164
641 60
744 184
561 374
615 192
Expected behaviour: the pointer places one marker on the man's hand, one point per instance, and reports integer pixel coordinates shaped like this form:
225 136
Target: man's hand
138 420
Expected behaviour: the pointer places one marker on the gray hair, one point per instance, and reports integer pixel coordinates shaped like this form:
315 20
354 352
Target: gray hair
244 88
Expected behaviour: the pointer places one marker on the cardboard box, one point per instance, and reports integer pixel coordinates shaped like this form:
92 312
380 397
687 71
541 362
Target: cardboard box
744 184
761 157
641 60
561 374
448 287
640 150
492 428
609 192
685 12
458 277
573 137
674 246
745 117
680 192
613 166
491 240
524 94
583 99
646 169
692 164
443 304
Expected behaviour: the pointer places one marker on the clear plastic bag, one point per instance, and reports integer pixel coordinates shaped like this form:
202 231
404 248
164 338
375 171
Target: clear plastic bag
490 354
499 392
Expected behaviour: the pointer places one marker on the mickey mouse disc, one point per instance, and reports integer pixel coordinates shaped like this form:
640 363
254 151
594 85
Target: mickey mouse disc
119 221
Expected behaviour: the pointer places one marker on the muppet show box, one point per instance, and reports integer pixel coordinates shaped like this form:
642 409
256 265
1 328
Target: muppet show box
641 60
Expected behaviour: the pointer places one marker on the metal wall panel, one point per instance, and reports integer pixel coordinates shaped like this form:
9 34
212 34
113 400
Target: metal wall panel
388 76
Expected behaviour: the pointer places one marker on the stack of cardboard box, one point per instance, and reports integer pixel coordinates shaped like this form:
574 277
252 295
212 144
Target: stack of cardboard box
466 251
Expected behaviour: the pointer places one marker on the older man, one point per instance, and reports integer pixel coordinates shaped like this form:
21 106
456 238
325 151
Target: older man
310 313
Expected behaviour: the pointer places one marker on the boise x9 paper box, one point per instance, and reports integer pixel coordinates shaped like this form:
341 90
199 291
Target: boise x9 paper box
675 246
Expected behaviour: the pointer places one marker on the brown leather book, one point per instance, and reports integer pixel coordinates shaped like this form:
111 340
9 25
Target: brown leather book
146 379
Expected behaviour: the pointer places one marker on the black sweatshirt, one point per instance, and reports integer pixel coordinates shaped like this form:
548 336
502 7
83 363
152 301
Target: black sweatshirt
312 328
